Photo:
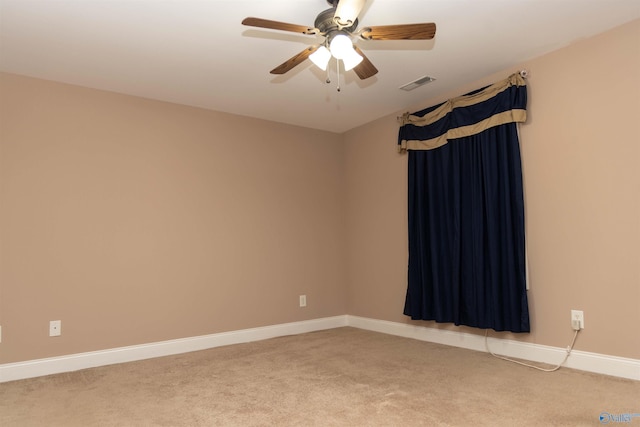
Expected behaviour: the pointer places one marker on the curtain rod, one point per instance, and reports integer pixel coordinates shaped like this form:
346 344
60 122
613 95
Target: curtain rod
524 73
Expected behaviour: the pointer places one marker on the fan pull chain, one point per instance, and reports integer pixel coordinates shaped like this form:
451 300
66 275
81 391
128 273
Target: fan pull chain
338 70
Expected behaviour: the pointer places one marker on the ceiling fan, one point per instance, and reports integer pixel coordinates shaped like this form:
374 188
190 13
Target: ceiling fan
339 26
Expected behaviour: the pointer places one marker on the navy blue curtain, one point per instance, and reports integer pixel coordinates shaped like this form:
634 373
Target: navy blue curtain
466 210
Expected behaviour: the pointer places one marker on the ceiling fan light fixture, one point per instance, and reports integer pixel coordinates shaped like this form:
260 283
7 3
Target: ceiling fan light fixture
321 57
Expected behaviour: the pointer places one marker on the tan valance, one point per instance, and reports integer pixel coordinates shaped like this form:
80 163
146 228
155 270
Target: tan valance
502 102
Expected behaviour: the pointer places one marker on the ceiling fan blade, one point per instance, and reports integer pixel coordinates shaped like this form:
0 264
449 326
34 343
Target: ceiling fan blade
364 69
276 25
424 31
294 60
347 11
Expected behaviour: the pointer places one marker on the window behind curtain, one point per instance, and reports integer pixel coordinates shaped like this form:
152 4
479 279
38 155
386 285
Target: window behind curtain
466 210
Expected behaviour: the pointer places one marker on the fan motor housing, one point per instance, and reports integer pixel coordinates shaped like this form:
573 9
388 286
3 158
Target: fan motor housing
325 22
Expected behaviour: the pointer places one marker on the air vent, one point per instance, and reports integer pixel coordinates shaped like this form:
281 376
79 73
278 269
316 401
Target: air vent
417 83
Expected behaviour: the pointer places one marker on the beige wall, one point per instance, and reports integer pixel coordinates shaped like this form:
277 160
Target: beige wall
137 221
581 161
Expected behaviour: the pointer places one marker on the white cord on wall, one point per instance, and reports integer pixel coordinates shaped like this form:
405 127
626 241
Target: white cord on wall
569 349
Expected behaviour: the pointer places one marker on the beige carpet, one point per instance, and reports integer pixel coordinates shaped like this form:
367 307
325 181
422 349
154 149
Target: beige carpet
339 377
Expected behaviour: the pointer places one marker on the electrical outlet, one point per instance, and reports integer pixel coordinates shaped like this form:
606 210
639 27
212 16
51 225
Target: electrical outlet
303 300
577 319
55 328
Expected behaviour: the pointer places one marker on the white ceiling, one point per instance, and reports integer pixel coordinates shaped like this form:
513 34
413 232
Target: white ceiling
196 52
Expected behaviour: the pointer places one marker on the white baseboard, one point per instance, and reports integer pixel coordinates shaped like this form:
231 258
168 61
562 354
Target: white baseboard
74 362
582 360
591 362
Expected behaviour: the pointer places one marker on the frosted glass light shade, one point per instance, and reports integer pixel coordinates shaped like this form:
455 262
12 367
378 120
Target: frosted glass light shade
340 46
321 57
352 59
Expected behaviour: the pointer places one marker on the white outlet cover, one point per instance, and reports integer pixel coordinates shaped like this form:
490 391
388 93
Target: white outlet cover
55 328
578 315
